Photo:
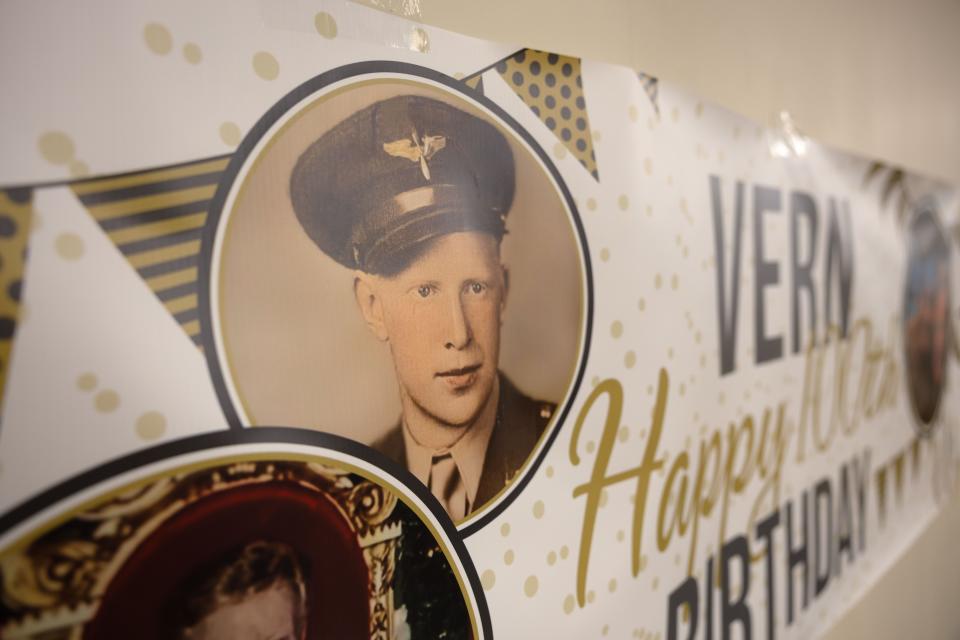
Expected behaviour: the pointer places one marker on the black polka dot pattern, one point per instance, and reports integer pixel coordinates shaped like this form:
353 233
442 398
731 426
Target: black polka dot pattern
552 88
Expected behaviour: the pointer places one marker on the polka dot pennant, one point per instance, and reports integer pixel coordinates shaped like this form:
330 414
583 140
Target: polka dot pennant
155 218
551 86
15 216
650 87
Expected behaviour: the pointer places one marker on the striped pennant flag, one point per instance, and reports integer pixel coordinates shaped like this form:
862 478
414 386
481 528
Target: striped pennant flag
156 219
16 216
650 84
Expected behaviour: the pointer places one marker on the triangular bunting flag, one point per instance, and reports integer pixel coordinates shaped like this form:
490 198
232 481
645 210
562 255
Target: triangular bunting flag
881 479
898 474
650 86
16 213
551 86
475 82
156 218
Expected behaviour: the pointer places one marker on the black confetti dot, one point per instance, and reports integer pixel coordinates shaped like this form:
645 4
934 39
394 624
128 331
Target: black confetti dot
535 68
501 67
7 226
565 113
517 78
566 69
580 103
551 102
565 134
581 124
536 111
521 56
534 90
551 124
565 91
22 195
553 58
550 79
581 145
14 290
7 325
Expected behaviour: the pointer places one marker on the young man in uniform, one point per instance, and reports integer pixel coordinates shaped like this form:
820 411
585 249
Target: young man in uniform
412 194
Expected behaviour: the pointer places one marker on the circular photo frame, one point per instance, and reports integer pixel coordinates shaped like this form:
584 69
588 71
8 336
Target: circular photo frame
393 259
283 531
926 315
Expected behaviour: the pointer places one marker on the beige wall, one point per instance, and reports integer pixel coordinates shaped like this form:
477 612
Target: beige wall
877 78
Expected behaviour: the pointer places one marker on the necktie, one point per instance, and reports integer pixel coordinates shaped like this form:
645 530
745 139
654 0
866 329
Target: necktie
447 485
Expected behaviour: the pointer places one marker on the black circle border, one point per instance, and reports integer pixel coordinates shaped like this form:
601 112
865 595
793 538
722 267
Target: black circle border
925 428
239 159
203 442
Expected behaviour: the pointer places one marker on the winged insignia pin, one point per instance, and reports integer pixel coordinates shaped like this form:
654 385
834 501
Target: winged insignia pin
416 149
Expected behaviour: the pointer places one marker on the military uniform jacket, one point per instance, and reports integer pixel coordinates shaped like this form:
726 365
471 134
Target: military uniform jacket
519 424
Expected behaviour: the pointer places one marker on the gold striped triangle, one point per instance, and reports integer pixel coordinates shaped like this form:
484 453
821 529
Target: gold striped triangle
552 87
881 480
475 82
156 219
16 216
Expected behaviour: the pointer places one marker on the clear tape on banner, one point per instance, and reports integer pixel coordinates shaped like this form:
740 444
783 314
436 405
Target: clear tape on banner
784 138
396 27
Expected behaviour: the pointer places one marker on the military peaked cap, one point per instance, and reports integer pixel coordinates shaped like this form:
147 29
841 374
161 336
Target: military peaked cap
379 186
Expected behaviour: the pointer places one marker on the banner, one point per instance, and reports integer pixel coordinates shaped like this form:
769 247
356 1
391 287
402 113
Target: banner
319 322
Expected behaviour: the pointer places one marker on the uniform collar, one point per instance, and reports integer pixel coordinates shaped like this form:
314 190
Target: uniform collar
469 453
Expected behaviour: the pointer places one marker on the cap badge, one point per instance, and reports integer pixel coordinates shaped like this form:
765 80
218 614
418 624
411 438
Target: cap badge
416 149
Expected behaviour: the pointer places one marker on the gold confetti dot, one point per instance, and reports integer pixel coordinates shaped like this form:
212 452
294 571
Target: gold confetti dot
552 558
612 586
656 583
674 281
508 557
620 535
192 53
590 446
106 401
230 134
568 604
675 114
505 529
488 579
560 151
642 304
649 209
418 40
633 113
158 38
604 497
265 65
86 382
56 147
670 353
623 202
151 425
683 389
538 509
597 136
549 472
605 254
698 110
623 434
69 246
78 169
616 329
591 596
564 552
658 281
629 359
530 586
648 166
605 630
591 204
325 25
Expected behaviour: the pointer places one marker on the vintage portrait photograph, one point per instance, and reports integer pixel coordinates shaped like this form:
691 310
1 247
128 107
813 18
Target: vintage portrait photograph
242 547
397 265
926 314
